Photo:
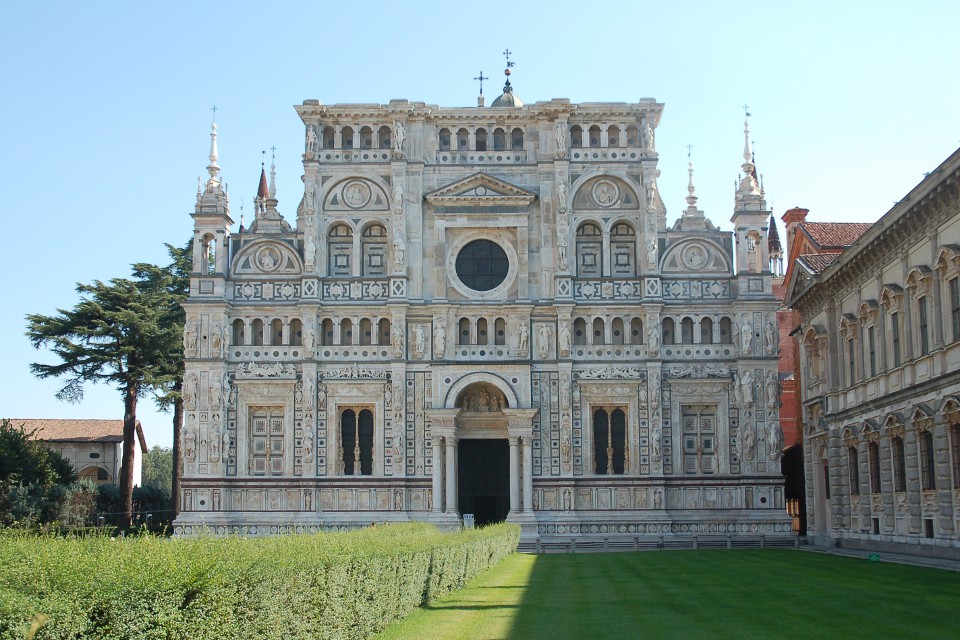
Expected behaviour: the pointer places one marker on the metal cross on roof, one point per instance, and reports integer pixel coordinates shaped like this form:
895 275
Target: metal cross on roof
481 78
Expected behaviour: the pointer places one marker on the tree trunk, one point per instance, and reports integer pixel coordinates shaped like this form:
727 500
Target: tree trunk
129 442
177 451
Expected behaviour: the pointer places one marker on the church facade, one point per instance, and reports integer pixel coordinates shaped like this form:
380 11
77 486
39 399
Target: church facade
483 313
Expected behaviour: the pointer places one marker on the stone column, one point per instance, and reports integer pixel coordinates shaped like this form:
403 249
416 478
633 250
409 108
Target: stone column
451 477
437 479
527 475
514 475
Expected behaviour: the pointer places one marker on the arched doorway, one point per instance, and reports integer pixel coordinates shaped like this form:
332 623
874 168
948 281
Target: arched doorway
483 462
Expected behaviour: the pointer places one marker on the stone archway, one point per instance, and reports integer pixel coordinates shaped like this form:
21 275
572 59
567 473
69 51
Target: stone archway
483 463
491 380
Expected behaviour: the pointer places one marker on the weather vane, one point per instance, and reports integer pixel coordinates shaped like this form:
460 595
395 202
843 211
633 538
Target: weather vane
689 151
481 78
214 109
507 53
273 154
746 110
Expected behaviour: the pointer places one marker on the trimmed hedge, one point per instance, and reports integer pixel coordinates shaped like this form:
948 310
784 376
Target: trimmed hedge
337 585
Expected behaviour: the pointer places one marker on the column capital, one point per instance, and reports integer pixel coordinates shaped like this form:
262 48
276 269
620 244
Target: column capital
520 421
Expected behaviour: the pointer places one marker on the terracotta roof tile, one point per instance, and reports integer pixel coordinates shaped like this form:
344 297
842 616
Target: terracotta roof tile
817 262
835 234
62 430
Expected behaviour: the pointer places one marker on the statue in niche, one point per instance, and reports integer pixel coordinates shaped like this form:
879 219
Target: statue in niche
648 142
770 339
226 336
565 448
298 393
309 340
307 447
658 498
398 199
399 249
429 505
560 136
216 396
214 445
774 440
398 135
746 386
746 337
190 339
231 390
773 390
388 394
216 499
737 390
562 197
190 446
216 341
398 500
419 341
745 442
652 252
655 391
311 140
543 342
656 442
562 250
190 391
397 339
524 336
564 337
398 450
439 338
309 251
308 500
226 442
653 336
565 391
483 400
652 202
308 394
567 499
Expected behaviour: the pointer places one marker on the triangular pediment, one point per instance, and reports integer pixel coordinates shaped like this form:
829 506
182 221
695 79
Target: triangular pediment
481 189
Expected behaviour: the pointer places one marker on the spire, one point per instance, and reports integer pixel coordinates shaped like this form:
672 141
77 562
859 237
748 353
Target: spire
213 168
273 173
691 193
773 237
507 99
263 191
749 195
211 197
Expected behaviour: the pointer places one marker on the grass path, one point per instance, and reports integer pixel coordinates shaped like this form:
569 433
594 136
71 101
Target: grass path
693 594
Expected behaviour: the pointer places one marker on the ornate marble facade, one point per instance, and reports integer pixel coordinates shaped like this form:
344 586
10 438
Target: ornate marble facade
461 277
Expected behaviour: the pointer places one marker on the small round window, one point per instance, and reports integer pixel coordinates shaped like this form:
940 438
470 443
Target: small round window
482 265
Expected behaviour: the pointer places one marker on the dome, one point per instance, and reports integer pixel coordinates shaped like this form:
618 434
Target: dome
507 99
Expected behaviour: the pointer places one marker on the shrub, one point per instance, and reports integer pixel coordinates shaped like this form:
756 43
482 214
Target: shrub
339 586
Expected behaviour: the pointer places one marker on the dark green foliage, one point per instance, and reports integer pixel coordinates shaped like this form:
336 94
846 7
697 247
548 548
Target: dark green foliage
338 586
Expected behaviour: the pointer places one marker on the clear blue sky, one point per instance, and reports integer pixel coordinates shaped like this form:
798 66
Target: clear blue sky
106 113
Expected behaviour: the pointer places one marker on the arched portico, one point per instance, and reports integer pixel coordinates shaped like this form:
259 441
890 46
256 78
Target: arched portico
480 410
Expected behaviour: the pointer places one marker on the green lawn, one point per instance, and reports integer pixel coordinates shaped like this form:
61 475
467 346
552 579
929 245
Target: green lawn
693 594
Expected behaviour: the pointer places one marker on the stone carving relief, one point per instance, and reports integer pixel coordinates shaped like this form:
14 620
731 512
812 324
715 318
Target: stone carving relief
543 342
439 338
772 388
356 372
190 340
216 341
399 134
560 137
564 338
523 337
483 399
612 373
216 396
190 384
396 339
770 339
190 446
419 342
253 370
700 371
774 440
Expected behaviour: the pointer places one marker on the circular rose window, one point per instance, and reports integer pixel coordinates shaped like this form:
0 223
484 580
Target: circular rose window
482 265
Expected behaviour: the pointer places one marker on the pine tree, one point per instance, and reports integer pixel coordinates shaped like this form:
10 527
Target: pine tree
120 333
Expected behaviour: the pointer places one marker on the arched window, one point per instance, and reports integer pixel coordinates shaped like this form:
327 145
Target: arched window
366 138
899 464
589 250
613 136
706 331
576 136
668 331
873 455
355 457
633 137
853 462
238 333
500 329
595 136
257 330
686 331
482 337
383 331
463 331
579 331
928 473
328 137
726 331
598 336
463 140
480 139
499 140
346 331
366 332
296 332
609 441
340 243
623 248
276 332
326 332
346 138
384 134
444 139
616 331
373 246
516 139
636 331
